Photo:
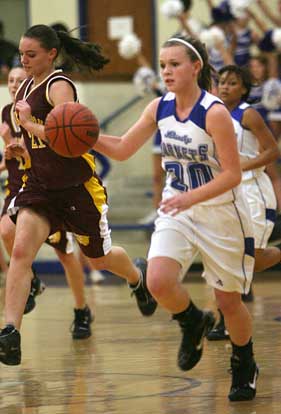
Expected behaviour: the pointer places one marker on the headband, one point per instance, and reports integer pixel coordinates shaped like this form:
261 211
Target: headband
189 46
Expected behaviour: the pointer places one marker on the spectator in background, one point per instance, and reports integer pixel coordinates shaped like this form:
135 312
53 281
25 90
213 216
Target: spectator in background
9 54
246 37
221 38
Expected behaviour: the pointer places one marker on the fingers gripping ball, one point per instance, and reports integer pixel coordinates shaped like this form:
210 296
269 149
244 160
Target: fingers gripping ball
71 129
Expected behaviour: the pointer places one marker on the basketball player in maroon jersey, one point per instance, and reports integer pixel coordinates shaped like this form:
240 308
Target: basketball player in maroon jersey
60 193
61 241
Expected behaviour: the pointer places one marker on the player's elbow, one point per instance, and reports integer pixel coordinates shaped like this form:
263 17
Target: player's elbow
122 156
236 178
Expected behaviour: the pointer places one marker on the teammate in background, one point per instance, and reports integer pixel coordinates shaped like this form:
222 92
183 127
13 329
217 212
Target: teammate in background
202 206
16 171
257 148
59 193
62 242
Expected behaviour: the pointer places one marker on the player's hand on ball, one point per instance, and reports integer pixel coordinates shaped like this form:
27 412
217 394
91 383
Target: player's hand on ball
24 111
176 204
14 150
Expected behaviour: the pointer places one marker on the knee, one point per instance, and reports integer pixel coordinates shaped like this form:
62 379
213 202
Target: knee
99 263
258 267
157 285
259 262
18 252
228 302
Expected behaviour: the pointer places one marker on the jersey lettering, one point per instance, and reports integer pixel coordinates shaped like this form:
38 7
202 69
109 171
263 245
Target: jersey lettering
199 174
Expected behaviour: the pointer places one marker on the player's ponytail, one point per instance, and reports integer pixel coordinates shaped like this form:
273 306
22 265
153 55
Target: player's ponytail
84 55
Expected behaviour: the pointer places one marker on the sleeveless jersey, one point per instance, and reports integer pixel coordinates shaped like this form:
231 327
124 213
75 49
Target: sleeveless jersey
255 98
215 58
248 145
188 151
242 51
15 166
50 170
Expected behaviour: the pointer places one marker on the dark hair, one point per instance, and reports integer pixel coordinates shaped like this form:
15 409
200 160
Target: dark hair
222 13
59 26
187 4
205 75
243 74
83 54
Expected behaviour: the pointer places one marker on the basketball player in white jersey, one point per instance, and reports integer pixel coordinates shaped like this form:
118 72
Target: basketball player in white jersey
257 148
202 208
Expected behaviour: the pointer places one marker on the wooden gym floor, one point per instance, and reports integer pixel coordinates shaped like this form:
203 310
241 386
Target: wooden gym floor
128 366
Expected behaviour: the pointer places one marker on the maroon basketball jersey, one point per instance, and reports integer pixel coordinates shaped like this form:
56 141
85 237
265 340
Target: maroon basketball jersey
48 169
15 166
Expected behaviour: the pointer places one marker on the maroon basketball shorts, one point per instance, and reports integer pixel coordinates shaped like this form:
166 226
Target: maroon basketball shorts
81 210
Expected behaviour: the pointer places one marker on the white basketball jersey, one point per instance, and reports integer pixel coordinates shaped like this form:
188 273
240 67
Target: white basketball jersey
188 151
248 145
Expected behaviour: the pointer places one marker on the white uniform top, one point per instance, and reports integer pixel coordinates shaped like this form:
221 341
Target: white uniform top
248 144
219 229
256 184
188 151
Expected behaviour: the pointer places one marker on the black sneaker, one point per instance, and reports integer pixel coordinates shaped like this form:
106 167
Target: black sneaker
219 332
146 303
244 379
37 287
10 352
81 326
191 347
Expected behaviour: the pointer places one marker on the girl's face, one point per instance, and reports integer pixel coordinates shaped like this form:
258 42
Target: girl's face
257 69
34 58
15 78
177 70
230 88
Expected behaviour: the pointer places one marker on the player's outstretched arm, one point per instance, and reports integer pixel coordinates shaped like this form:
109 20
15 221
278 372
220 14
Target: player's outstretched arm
122 148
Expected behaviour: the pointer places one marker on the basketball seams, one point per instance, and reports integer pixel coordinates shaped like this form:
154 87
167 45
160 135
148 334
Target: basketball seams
78 137
64 131
72 126
50 115
72 129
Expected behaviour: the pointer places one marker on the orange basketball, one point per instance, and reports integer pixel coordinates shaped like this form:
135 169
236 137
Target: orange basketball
71 129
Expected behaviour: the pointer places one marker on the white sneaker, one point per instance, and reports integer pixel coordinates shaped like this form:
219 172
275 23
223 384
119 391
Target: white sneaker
149 218
96 276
